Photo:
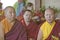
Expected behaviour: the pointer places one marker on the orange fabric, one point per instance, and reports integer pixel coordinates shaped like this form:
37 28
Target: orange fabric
7 25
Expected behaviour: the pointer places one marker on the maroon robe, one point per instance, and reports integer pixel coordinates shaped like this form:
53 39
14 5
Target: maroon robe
17 32
55 32
32 30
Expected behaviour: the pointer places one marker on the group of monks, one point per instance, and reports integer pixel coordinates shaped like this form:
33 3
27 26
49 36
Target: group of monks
26 28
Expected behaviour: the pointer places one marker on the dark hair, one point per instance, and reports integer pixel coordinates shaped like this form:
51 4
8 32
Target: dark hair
29 4
28 11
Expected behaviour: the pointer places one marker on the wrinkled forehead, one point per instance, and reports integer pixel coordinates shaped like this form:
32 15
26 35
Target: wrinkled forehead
9 10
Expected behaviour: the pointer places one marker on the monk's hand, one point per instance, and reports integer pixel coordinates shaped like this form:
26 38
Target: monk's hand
31 39
55 38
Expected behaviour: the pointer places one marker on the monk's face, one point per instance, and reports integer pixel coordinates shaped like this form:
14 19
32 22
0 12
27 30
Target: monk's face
10 13
49 16
27 16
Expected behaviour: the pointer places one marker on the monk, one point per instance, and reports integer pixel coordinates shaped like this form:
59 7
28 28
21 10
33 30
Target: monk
31 27
49 30
13 29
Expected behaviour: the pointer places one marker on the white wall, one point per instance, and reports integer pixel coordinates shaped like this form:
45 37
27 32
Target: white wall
37 4
52 3
8 3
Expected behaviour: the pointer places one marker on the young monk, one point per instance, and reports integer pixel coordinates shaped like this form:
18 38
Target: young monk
31 27
29 6
13 29
49 30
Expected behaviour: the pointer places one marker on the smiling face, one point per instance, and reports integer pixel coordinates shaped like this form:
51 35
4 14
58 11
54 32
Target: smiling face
49 15
10 13
27 16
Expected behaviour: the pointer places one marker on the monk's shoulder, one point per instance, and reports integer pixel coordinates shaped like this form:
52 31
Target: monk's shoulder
57 22
41 23
20 24
3 21
43 26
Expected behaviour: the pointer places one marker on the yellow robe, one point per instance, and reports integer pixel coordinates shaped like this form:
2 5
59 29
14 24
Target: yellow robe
7 26
46 28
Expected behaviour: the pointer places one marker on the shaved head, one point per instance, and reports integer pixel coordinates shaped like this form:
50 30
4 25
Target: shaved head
10 13
49 15
50 9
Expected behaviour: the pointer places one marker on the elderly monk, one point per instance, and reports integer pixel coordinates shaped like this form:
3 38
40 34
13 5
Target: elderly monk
49 30
13 29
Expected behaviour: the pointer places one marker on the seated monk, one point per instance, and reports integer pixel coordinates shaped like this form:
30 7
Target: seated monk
49 30
31 28
13 29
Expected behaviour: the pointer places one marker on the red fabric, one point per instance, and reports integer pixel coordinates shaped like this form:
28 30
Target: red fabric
32 29
38 13
55 32
17 32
